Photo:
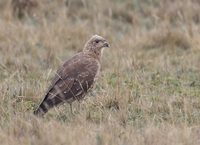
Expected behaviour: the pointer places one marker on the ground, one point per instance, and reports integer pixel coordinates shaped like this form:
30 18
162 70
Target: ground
149 89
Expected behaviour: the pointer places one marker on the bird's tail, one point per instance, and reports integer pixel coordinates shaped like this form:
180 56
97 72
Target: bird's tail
47 104
41 110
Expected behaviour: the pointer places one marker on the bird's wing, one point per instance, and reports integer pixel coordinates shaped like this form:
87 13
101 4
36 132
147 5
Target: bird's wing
73 79
63 73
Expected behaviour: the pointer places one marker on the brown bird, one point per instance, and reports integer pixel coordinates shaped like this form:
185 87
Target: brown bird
75 77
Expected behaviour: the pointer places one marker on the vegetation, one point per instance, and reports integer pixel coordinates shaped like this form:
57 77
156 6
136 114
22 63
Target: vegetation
149 89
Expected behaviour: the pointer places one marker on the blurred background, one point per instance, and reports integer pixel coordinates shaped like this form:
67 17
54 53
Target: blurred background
149 89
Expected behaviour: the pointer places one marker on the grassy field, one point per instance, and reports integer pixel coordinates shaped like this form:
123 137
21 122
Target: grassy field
149 89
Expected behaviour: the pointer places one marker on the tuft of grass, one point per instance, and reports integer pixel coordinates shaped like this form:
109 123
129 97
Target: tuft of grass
166 39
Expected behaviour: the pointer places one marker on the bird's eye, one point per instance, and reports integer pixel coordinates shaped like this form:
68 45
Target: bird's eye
97 41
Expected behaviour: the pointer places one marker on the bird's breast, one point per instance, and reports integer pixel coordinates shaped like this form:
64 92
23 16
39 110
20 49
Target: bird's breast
98 71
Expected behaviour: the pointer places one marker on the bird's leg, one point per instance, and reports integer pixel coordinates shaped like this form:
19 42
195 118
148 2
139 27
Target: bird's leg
71 109
80 105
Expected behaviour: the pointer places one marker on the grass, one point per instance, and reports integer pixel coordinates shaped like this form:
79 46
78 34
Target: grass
149 89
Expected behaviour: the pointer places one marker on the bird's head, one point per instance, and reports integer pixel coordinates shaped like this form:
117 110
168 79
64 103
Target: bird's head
95 44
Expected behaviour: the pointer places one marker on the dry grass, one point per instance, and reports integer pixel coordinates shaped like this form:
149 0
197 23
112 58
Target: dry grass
149 90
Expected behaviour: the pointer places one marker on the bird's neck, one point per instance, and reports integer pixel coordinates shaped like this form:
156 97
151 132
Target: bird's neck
94 54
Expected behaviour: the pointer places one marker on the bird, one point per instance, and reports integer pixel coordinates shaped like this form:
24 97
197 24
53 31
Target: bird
75 77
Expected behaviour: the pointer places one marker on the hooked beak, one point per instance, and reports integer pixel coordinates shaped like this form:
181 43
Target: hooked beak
106 44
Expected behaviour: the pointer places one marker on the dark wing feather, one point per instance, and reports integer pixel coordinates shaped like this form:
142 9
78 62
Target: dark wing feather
71 82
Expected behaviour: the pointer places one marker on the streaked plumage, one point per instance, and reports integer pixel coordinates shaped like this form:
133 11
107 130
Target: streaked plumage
75 77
